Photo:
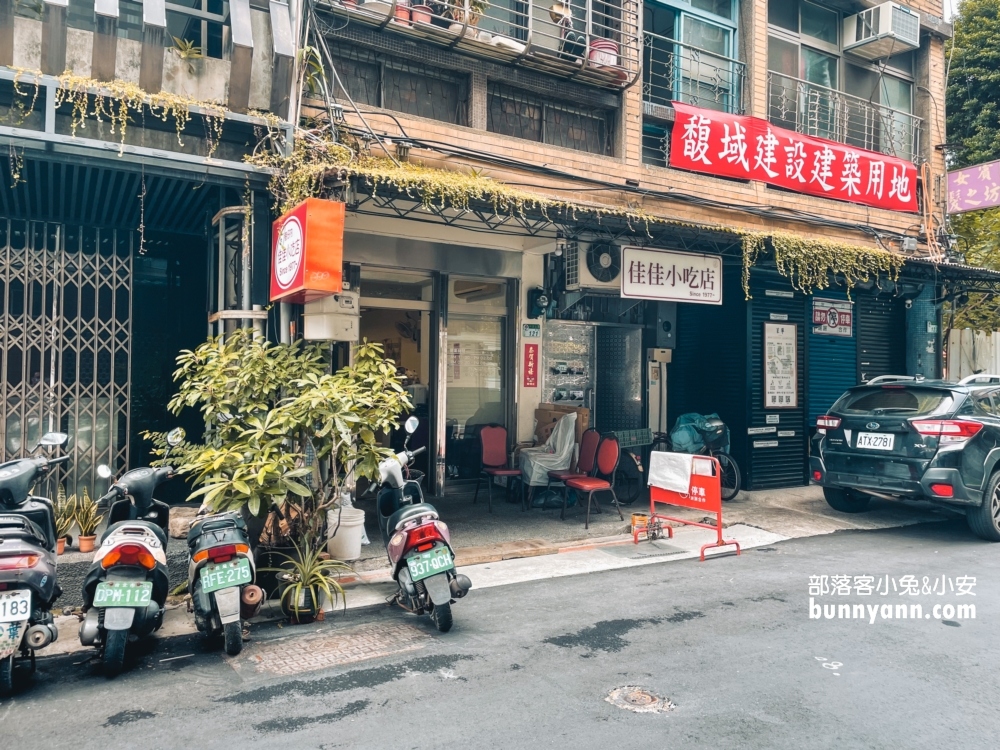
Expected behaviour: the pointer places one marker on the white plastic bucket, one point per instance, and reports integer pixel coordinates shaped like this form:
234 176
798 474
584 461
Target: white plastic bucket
346 544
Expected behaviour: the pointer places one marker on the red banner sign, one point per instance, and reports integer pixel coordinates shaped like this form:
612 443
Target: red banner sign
749 148
531 365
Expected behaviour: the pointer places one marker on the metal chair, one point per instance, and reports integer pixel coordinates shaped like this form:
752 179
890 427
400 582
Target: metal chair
584 464
608 454
493 454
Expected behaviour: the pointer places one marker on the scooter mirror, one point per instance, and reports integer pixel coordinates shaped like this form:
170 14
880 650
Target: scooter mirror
176 436
411 425
104 471
54 438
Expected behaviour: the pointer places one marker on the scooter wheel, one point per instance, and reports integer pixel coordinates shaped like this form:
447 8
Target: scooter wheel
7 676
442 617
114 652
234 637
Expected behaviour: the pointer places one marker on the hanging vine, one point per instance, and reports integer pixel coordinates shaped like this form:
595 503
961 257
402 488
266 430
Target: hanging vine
20 98
810 263
115 102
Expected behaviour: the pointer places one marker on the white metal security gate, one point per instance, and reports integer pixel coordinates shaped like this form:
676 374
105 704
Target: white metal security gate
65 330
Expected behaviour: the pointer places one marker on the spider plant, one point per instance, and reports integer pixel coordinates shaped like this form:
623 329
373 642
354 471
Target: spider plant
87 517
308 572
187 49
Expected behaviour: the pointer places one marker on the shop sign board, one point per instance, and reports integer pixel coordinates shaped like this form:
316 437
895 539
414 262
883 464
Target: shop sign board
833 317
531 365
750 148
671 276
974 187
781 366
307 252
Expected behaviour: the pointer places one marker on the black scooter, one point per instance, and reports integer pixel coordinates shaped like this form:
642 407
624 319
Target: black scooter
126 587
28 586
417 542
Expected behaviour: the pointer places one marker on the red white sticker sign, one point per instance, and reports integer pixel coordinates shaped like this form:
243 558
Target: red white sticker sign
750 148
833 317
672 276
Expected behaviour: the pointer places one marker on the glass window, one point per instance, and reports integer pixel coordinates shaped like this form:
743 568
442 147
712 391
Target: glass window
784 13
820 23
722 8
783 57
819 68
706 36
902 62
913 401
897 94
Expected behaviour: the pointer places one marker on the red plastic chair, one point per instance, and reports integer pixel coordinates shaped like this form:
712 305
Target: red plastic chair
608 454
493 445
585 463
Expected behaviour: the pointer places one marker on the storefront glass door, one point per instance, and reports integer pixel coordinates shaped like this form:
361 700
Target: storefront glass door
476 394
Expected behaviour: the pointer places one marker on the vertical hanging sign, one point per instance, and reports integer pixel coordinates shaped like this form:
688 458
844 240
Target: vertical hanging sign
531 365
307 252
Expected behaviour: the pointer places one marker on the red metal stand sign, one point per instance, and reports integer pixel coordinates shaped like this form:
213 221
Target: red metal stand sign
704 494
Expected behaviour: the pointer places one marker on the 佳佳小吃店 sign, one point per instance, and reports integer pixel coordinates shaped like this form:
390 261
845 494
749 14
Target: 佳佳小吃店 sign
308 252
671 276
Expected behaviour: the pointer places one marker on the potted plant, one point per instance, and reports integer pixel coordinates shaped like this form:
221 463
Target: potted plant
421 13
64 514
306 578
284 439
87 519
469 13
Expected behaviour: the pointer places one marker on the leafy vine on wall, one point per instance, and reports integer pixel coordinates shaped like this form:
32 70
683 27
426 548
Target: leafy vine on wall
809 263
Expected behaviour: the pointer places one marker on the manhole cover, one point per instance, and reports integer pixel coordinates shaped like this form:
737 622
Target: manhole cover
638 699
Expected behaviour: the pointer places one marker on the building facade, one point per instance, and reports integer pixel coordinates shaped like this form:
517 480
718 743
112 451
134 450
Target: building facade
493 313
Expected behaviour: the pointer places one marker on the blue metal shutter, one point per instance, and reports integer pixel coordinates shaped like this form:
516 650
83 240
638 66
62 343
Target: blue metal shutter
833 363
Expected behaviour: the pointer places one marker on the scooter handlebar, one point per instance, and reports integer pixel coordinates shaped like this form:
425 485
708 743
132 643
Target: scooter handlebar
418 451
60 460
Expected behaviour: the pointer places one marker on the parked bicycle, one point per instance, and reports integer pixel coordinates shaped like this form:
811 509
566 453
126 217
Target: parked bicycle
713 434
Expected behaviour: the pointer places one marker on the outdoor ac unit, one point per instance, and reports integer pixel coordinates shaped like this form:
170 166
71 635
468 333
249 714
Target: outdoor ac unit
886 29
593 267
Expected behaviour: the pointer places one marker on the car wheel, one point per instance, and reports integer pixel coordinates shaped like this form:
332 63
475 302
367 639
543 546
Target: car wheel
846 501
984 520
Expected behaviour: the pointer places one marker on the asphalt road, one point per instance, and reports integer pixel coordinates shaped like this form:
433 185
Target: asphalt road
729 642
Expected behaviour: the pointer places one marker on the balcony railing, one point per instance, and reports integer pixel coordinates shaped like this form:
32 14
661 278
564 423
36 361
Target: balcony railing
586 40
820 111
673 71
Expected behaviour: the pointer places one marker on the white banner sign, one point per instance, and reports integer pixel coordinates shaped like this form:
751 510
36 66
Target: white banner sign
672 276
781 366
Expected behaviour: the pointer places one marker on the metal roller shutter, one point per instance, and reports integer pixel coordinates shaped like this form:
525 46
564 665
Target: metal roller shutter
881 335
833 363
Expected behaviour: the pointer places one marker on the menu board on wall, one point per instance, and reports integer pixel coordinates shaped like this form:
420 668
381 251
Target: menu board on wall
781 366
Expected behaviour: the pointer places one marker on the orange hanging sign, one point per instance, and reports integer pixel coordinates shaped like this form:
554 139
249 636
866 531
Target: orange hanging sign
307 252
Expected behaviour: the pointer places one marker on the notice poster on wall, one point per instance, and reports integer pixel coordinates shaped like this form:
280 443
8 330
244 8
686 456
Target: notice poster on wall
832 317
781 366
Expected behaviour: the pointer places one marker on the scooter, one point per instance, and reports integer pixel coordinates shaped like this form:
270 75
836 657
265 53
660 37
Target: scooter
417 542
221 577
28 586
125 589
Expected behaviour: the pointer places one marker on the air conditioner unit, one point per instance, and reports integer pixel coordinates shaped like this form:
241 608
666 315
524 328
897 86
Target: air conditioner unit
593 267
886 29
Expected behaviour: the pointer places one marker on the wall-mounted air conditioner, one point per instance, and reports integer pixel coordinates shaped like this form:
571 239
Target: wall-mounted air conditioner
886 29
593 267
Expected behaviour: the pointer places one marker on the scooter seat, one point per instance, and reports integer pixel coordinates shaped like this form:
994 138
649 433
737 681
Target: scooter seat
160 533
410 512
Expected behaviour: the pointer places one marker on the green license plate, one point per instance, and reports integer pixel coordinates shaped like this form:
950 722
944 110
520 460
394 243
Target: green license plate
429 563
225 575
123 594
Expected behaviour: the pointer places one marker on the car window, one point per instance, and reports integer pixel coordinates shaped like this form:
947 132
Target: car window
987 402
894 400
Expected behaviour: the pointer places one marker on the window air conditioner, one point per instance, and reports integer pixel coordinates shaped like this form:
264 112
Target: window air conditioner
593 267
886 29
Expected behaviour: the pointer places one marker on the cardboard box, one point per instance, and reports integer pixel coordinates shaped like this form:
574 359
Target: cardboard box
546 416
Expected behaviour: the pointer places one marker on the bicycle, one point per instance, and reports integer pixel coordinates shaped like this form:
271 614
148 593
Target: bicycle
712 435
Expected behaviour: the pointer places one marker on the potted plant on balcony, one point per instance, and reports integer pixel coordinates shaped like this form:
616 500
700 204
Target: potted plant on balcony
467 15
87 519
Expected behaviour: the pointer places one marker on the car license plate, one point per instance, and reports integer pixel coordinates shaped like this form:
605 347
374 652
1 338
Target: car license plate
123 594
15 605
879 441
429 563
225 575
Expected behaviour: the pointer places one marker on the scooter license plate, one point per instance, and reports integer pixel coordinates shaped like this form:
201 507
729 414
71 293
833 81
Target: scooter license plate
225 575
15 605
123 594
430 563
